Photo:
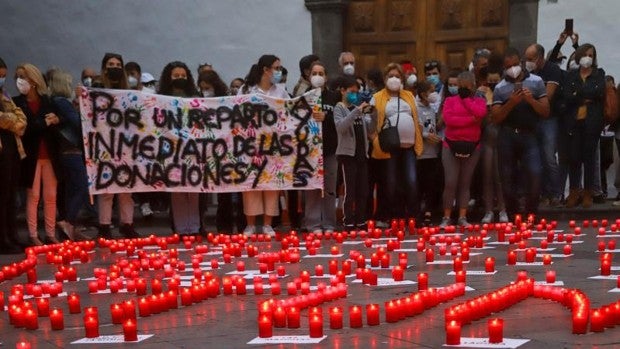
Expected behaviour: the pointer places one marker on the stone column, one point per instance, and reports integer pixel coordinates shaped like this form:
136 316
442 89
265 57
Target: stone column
327 30
523 23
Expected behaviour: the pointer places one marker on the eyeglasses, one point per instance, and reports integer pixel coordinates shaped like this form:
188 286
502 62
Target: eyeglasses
431 65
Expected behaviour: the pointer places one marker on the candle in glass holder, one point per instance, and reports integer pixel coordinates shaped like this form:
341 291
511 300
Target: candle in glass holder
335 318
118 314
550 276
355 316
398 273
74 303
422 281
279 317
453 333
43 307
293 317
430 255
496 330
597 321
31 320
316 326
91 325
460 276
372 314
57 320
264 326
144 306
23 345
546 259
130 330
489 265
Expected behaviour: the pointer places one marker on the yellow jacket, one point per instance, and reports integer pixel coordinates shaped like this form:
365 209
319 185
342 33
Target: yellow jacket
381 99
13 120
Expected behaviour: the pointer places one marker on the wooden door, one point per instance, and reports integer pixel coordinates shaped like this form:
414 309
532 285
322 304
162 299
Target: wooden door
383 31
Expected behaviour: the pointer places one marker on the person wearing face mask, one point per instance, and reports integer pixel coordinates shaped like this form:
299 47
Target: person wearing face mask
319 204
149 83
555 56
399 107
134 73
429 163
548 128
352 124
346 61
584 95
303 84
519 102
113 76
88 76
235 85
41 167
264 77
229 218
13 124
462 115
176 80
432 71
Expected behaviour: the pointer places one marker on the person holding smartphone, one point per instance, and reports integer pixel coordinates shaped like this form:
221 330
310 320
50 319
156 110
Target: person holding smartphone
519 103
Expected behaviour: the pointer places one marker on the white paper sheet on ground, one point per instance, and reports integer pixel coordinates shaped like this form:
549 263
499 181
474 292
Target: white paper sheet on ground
263 276
553 255
444 262
482 248
251 287
475 272
388 268
407 250
324 256
353 242
564 242
545 283
54 281
498 243
244 272
386 282
108 291
468 342
608 234
467 288
110 339
379 246
287 340
604 277
329 276
613 267
609 251
45 295
535 264
614 290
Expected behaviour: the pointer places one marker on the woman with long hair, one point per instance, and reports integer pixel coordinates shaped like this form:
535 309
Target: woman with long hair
41 167
264 77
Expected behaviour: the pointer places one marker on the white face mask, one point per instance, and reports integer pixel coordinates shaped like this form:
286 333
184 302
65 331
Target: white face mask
393 84
433 97
317 81
88 82
530 66
585 62
573 65
148 90
208 93
514 71
349 69
132 82
23 86
411 80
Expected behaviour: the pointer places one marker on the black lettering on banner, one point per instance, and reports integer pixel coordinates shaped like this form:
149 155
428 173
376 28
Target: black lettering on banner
223 114
164 118
146 149
242 145
302 169
131 142
259 170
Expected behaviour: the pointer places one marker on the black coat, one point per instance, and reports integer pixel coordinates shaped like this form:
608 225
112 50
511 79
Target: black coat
38 131
575 91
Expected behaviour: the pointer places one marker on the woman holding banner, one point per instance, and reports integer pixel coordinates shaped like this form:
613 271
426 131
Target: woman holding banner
176 80
113 76
264 78
41 167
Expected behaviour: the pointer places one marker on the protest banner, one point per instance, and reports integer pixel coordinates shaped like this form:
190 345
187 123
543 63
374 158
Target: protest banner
141 142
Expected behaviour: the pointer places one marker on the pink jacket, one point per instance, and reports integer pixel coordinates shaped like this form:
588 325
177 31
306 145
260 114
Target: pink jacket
463 117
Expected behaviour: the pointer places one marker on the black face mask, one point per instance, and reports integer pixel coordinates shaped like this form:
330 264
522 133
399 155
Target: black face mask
180 83
492 86
464 92
484 71
115 74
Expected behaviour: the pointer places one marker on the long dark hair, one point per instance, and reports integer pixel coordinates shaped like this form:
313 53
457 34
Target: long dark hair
581 51
104 76
165 80
212 78
256 72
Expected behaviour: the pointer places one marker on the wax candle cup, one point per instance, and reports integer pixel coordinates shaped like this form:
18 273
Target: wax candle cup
453 333
496 330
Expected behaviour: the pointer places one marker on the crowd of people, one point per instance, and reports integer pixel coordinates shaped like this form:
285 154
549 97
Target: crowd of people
503 134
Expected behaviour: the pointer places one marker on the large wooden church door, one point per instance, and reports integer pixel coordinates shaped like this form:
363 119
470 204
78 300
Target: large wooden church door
383 31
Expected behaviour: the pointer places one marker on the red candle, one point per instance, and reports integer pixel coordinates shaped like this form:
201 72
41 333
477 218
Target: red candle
597 321
422 281
118 314
130 330
496 330
43 307
31 320
355 316
460 276
240 286
398 273
430 255
279 317
91 325
550 276
129 308
391 312
453 333
264 326
240 266
568 250
335 318
489 265
605 267
318 270
227 285
530 255
186 297
512 258
372 314
457 264
74 303
293 317
316 326
57 320
144 306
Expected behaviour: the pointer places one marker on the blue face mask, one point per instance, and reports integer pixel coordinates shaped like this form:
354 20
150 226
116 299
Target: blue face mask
276 77
2 80
353 98
433 79
453 90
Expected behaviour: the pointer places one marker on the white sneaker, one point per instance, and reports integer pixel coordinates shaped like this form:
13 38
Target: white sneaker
146 211
503 217
268 230
249 230
488 217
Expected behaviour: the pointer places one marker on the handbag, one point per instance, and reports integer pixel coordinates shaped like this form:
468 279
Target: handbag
389 140
462 149
610 111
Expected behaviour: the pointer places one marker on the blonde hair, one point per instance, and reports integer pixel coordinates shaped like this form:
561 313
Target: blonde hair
393 66
60 83
33 73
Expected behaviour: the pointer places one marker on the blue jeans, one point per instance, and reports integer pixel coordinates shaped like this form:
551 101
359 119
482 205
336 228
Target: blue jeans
548 140
519 154
75 184
401 175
